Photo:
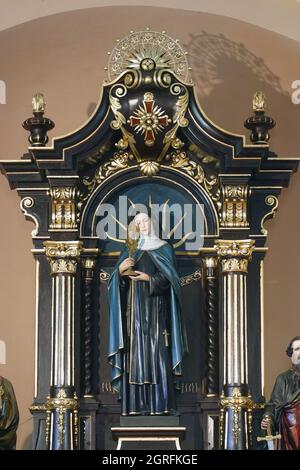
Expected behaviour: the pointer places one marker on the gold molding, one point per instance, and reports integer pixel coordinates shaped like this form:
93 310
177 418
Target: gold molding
28 203
272 201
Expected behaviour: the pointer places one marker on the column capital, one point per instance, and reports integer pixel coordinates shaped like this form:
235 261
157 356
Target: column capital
234 248
63 256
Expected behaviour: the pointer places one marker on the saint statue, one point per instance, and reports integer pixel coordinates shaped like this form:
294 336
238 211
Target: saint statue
282 412
9 416
147 339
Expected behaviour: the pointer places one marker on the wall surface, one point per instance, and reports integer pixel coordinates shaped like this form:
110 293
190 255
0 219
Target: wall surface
64 56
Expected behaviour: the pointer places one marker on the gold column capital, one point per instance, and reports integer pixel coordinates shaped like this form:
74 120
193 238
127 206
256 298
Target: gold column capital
235 248
235 254
63 256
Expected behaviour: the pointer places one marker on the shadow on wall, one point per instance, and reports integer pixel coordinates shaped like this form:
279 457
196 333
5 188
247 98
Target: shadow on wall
227 74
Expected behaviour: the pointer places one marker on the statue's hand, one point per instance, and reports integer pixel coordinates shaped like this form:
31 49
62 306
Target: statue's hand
265 422
140 277
127 263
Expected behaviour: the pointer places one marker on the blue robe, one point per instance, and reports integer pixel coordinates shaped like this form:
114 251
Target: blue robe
147 338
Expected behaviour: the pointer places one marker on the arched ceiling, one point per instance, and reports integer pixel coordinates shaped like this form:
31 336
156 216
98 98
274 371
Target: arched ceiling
280 16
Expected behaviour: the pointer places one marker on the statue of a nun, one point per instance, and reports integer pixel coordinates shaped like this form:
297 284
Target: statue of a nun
147 337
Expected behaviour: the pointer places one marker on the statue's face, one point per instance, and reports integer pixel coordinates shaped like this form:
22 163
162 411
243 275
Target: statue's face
296 352
143 223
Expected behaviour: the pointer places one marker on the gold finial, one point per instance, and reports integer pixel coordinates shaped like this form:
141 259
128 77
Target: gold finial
259 101
38 103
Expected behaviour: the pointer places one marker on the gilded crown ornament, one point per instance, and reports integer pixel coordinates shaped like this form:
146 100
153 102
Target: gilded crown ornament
259 124
38 125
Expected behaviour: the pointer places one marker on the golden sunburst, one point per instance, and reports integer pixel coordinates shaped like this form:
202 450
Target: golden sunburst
131 51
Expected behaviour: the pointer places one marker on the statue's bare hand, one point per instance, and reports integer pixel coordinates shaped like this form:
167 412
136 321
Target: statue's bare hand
127 263
141 277
265 422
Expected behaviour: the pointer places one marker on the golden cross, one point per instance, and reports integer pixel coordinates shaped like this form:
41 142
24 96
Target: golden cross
166 334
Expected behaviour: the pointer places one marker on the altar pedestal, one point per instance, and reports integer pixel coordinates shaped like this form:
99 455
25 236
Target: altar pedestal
149 433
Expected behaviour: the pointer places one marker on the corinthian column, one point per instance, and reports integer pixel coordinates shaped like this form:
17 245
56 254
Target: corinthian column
62 405
236 403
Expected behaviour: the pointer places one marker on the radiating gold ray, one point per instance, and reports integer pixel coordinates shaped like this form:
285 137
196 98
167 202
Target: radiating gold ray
131 202
150 201
175 226
115 239
181 242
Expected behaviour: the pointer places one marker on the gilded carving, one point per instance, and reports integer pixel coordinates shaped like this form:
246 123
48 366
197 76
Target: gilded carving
234 248
234 265
38 103
180 160
187 280
149 119
234 206
28 203
273 202
184 280
143 49
63 256
61 404
118 162
237 403
259 102
149 168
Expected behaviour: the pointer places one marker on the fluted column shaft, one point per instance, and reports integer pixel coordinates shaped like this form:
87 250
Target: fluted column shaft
62 405
236 402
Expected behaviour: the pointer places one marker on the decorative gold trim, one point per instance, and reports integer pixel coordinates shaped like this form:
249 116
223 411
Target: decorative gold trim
27 203
236 403
119 161
180 161
184 281
147 49
149 168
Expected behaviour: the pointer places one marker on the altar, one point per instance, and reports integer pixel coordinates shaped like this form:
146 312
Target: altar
149 142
